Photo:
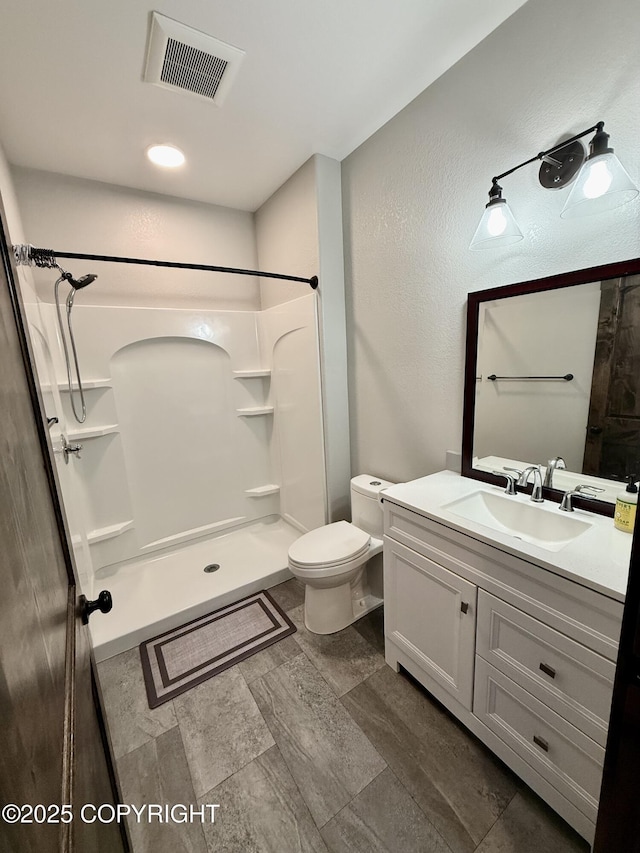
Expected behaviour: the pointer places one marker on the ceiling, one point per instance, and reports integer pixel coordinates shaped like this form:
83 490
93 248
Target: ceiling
318 77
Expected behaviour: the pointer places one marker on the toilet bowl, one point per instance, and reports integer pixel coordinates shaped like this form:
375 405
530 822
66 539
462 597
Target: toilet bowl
341 563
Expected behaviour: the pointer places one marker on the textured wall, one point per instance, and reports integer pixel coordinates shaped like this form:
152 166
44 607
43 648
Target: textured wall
287 236
414 192
76 215
14 224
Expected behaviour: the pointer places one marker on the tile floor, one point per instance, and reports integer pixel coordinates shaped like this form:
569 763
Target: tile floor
315 745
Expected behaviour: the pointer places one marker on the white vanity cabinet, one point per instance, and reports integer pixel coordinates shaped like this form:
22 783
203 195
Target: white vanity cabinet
432 615
525 658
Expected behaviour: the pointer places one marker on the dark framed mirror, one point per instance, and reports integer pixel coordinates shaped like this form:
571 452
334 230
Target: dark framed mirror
552 378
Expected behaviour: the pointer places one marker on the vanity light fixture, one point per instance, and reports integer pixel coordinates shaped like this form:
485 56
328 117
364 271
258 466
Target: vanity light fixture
166 155
602 183
498 226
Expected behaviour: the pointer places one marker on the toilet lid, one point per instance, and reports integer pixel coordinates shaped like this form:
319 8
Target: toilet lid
333 543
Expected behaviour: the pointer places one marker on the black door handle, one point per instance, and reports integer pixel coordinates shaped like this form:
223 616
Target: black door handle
103 603
595 430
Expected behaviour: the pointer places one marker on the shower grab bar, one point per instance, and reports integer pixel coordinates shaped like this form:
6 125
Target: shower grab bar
567 377
31 256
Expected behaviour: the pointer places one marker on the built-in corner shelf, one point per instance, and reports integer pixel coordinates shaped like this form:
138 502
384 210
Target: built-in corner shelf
254 411
108 532
262 491
251 374
92 432
87 385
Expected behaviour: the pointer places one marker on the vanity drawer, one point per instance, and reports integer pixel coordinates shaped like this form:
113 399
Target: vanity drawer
574 681
562 754
585 615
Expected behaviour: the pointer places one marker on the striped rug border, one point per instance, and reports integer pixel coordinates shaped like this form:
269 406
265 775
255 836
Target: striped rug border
282 625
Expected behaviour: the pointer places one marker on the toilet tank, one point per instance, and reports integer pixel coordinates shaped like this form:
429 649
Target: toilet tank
366 509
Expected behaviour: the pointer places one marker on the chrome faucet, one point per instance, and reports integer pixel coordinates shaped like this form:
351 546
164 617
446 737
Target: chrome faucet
553 465
523 480
510 488
581 491
536 492
523 476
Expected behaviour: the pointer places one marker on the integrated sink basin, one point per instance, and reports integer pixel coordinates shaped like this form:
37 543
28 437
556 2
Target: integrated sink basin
518 517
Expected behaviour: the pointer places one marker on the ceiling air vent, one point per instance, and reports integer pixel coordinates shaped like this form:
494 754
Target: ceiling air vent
186 60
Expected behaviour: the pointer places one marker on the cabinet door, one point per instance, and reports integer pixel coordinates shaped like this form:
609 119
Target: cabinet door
430 614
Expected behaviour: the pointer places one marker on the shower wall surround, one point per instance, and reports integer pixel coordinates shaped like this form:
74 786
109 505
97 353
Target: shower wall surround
197 421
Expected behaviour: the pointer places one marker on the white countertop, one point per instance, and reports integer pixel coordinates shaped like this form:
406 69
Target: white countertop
598 559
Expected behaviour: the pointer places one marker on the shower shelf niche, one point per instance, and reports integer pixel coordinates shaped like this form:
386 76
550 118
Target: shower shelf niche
263 491
254 411
252 374
88 385
93 432
108 532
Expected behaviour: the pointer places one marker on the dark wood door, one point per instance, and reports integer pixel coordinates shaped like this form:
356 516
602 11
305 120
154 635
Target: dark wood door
618 827
52 749
612 448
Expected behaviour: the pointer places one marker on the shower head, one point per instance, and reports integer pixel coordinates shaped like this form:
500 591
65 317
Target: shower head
78 283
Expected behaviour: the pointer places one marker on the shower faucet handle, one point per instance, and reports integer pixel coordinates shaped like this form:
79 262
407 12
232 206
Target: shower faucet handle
68 448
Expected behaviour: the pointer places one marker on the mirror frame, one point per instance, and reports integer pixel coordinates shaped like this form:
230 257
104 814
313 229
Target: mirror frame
474 300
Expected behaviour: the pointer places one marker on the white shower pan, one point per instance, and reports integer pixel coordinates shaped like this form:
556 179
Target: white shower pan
154 594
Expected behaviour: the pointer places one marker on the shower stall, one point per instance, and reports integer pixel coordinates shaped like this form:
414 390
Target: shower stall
200 457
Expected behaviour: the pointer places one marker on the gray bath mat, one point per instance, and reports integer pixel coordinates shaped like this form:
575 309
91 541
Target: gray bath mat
183 657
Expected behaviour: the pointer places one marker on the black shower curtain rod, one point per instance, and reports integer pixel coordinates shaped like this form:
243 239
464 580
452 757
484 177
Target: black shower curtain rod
30 255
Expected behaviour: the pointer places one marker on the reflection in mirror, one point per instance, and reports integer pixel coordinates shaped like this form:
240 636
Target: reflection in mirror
553 370
538 334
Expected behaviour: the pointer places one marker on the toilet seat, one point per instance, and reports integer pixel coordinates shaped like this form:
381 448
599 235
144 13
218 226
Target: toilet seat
329 546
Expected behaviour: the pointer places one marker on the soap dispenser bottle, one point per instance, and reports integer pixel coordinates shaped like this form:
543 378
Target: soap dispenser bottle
626 505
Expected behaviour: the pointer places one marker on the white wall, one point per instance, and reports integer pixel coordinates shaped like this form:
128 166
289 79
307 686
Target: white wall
288 335
414 192
287 236
14 223
333 336
299 231
76 215
10 202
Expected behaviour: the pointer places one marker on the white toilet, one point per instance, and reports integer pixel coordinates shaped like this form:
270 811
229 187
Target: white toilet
341 563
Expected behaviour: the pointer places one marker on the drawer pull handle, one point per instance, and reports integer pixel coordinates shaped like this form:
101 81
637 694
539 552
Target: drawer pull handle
541 743
548 670
464 607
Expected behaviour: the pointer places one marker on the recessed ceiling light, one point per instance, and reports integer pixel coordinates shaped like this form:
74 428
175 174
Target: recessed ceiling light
165 155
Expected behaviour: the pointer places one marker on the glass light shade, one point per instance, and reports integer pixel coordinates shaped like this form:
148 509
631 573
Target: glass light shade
602 184
497 227
166 155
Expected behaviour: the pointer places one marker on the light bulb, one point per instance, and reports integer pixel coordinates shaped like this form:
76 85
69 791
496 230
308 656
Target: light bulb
166 155
497 221
602 184
497 226
599 180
